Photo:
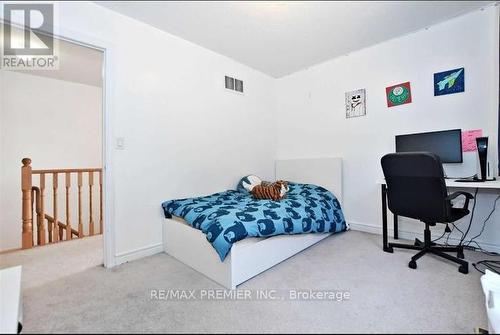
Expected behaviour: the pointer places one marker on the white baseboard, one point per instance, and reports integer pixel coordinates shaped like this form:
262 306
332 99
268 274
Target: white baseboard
132 255
368 228
154 249
410 235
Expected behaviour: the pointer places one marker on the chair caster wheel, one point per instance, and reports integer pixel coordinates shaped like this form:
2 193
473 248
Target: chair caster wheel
463 269
460 255
412 265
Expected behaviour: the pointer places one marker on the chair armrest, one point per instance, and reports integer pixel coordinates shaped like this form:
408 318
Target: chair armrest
454 195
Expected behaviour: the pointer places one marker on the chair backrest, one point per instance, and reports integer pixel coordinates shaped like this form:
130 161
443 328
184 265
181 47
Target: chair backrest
416 187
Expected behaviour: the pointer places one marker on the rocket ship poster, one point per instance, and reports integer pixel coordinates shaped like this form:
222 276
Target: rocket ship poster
449 82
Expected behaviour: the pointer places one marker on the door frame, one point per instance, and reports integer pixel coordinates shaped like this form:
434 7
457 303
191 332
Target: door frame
107 134
107 47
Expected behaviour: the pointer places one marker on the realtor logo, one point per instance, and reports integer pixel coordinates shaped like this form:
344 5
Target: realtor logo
28 37
38 22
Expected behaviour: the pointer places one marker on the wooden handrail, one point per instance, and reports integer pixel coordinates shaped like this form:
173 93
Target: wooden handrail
35 194
61 225
33 202
66 170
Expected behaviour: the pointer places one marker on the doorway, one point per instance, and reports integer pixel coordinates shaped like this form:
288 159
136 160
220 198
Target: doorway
52 190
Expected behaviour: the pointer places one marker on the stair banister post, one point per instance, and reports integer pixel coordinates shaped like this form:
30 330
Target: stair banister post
27 214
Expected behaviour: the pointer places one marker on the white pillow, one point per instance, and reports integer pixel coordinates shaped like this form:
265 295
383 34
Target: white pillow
247 183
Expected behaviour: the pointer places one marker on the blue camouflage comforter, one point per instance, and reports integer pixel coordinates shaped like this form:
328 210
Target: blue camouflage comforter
230 216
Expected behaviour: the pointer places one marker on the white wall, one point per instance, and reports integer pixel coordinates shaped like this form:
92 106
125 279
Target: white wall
311 113
56 123
184 134
1 141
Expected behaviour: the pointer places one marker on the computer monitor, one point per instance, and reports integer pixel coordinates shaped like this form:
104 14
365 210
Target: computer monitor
446 144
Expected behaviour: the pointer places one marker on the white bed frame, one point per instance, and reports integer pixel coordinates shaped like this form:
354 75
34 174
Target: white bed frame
252 256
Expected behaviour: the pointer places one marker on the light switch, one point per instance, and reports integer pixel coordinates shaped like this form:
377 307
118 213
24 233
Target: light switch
120 143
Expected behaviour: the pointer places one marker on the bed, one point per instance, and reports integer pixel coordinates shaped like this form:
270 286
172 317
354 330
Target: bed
253 255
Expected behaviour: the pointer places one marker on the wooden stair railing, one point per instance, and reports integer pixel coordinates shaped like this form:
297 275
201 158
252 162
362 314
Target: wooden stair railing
37 204
49 228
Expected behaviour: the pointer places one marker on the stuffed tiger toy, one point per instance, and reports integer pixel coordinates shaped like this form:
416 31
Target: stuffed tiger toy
274 191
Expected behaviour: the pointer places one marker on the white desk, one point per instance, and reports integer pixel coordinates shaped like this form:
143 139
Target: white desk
494 184
10 300
450 183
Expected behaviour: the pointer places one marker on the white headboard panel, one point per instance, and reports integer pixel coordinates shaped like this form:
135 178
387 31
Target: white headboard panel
325 172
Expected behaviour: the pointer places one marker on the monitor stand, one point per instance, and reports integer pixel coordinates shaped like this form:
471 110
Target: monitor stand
474 180
470 180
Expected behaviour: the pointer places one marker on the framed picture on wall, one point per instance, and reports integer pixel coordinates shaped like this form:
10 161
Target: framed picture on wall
399 94
355 103
449 82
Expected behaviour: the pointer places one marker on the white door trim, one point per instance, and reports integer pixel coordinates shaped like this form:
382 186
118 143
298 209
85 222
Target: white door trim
107 48
108 135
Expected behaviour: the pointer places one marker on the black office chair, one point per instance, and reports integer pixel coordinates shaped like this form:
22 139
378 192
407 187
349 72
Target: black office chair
416 189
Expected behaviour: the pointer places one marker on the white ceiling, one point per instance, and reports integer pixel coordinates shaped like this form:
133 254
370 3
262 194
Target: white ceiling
279 38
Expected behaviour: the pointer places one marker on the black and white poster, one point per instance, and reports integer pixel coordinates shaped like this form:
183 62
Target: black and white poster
355 103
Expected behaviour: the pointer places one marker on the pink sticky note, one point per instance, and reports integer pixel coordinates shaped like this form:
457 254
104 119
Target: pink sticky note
469 139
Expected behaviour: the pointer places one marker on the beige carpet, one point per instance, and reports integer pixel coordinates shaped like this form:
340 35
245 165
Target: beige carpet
385 296
43 265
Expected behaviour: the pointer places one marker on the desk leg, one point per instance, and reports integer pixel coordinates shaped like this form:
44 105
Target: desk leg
384 219
396 229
